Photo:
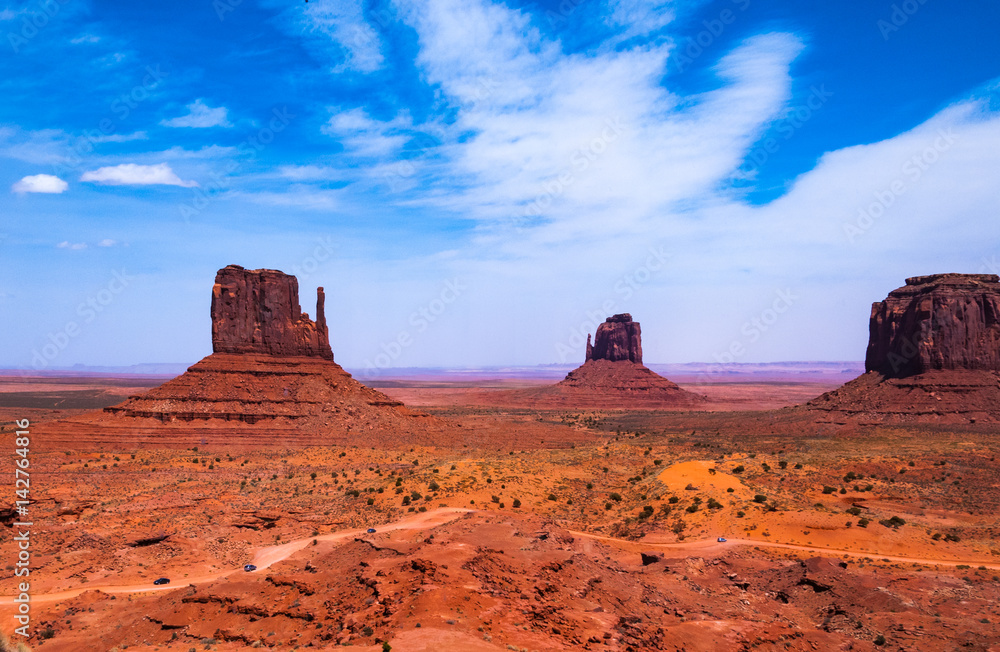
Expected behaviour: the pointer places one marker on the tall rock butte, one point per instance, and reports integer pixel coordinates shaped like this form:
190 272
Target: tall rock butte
618 338
933 355
270 381
613 375
257 311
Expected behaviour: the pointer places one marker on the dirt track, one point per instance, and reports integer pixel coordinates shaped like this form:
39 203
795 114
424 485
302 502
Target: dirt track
270 555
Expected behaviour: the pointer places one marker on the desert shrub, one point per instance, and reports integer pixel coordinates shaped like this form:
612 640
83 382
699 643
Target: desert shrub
673 500
854 511
607 505
692 508
760 498
433 486
827 489
714 504
738 469
798 465
863 522
615 496
371 501
951 537
590 485
783 464
657 462
740 514
690 487
766 467
879 640
496 499
550 497
406 501
893 522
516 503
415 495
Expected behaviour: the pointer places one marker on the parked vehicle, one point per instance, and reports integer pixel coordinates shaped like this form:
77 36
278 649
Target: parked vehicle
162 580
721 539
249 568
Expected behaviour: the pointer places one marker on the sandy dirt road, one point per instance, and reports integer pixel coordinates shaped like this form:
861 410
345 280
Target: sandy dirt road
263 557
270 555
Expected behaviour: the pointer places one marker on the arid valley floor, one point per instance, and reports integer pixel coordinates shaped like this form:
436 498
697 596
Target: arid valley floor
538 529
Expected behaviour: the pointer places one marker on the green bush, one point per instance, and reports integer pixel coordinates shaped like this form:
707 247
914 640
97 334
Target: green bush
760 498
615 496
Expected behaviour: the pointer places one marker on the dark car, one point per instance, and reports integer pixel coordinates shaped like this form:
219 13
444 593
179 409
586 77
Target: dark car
371 530
162 580
721 539
249 568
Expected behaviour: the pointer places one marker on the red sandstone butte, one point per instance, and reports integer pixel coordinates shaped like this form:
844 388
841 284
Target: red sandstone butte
943 321
933 356
618 338
270 381
612 375
257 311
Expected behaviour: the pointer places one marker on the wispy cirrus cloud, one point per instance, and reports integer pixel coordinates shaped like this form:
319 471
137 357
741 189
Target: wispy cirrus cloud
131 174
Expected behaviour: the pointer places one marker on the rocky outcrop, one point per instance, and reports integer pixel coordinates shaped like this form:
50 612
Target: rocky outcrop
938 322
613 375
933 356
257 311
271 381
618 338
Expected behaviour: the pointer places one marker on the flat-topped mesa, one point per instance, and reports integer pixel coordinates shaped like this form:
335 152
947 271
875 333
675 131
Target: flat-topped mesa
937 322
618 338
257 311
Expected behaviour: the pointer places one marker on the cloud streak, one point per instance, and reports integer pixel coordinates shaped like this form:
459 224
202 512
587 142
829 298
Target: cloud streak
131 174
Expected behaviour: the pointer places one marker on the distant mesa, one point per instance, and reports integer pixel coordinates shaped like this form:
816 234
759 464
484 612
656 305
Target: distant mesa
933 355
271 380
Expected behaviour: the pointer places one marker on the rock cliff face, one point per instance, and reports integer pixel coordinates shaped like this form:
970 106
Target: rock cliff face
939 322
618 338
933 356
257 311
271 381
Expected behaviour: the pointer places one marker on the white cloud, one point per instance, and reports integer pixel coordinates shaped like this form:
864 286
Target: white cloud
582 145
131 174
200 116
639 17
343 23
86 38
42 183
74 246
107 242
118 138
363 136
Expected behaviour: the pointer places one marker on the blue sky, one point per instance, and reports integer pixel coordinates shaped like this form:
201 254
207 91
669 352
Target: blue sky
479 183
